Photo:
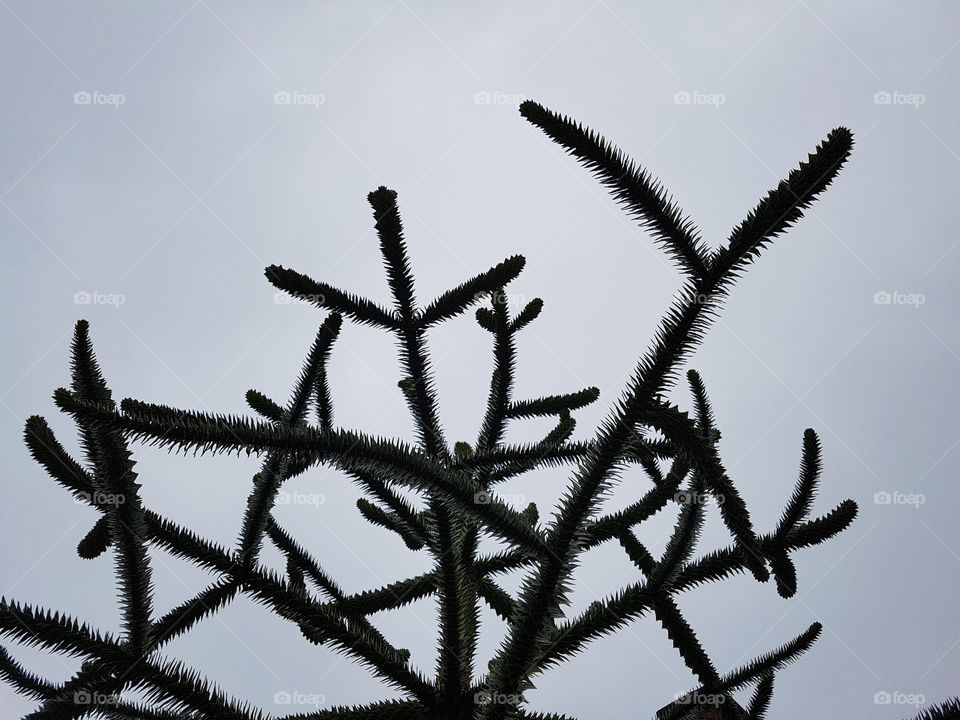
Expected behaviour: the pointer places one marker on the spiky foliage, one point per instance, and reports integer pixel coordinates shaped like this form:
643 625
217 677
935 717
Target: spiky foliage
459 487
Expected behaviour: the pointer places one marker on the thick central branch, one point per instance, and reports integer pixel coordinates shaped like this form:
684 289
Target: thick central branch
455 661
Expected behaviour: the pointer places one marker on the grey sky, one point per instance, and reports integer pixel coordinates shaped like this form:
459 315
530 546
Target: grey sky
148 158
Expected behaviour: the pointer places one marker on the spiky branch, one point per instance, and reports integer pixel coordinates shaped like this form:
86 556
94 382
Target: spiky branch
459 486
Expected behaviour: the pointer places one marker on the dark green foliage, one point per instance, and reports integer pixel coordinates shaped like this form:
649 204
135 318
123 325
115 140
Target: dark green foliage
642 196
95 542
760 701
390 521
949 710
554 404
458 486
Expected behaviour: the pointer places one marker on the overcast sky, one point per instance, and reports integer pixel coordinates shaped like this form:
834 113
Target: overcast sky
155 157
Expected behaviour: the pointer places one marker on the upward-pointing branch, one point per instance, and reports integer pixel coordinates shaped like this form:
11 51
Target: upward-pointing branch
641 195
783 206
455 654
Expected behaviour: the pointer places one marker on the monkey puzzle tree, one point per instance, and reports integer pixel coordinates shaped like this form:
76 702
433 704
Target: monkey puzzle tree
458 487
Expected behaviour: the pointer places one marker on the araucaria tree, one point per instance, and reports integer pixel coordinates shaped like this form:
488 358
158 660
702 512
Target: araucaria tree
458 488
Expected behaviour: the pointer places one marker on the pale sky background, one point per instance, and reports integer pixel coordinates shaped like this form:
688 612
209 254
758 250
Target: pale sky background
175 200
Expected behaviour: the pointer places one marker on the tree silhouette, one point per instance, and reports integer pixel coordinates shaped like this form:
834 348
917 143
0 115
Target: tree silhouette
458 485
